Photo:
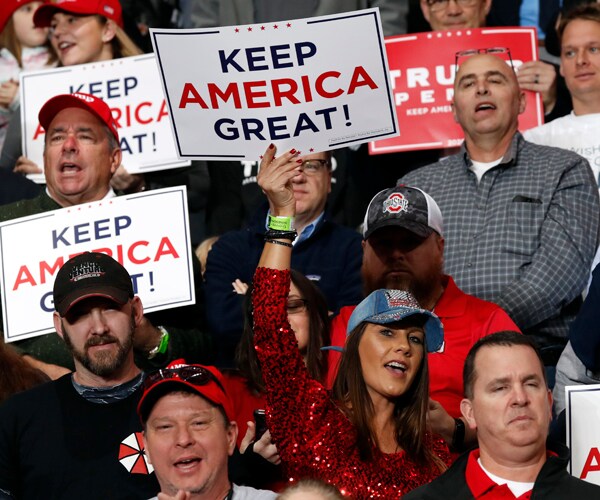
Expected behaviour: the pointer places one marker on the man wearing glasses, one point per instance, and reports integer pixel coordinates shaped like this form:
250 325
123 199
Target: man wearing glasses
65 439
521 219
189 433
327 253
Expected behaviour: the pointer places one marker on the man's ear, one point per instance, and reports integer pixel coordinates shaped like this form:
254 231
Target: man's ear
232 434
58 324
146 452
466 408
522 102
454 111
116 157
137 309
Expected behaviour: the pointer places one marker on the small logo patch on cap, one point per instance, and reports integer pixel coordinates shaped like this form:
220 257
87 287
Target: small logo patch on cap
86 270
83 97
396 202
109 10
400 298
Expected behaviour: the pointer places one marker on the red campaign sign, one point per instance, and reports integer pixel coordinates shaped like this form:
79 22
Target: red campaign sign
422 74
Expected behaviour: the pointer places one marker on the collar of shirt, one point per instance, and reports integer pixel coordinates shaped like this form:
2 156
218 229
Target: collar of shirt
107 395
482 486
107 196
306 232
509 158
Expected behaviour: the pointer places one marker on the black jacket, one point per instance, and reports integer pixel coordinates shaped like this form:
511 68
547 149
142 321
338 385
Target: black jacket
552 483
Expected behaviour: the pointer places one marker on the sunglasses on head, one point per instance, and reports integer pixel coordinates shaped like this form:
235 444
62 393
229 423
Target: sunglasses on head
502 52
196 375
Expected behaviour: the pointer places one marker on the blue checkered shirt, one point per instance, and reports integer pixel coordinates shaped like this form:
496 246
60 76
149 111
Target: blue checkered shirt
523 237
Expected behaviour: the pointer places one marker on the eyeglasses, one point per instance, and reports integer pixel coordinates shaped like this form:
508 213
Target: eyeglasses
437 5
503 52
296 306
312 167
196 375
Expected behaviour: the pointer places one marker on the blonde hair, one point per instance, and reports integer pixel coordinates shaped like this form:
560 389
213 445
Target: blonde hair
10 42
123 45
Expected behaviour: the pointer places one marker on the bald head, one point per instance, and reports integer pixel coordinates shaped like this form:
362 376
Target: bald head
487 99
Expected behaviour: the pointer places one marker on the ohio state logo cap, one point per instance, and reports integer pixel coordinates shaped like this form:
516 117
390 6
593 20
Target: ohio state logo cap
406 207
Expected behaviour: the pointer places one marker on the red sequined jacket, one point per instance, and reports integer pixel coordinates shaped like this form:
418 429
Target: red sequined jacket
314 438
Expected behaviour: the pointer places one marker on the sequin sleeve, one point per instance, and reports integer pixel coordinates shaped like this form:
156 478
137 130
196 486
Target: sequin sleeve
297 404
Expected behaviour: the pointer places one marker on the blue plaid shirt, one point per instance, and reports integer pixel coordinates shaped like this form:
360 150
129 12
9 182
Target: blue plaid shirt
523 237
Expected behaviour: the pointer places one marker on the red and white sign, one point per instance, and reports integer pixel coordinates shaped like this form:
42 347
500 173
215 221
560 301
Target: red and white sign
422 69
583 434
148 233
310 84
131 88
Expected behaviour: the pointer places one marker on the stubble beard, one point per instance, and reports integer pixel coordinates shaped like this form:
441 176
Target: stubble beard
422 289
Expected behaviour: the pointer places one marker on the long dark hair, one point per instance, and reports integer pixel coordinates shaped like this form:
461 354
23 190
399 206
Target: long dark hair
410 412
318 335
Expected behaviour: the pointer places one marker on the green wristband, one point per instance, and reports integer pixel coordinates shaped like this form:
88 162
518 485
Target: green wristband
281 223
164 343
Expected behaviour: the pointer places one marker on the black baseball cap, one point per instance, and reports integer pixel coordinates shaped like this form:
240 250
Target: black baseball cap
403 206
91 274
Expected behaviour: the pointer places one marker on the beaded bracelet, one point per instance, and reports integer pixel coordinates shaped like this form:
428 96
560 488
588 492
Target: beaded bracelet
282 243
281 235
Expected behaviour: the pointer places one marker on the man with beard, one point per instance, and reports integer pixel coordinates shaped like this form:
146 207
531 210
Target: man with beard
79 436
403 248
81 154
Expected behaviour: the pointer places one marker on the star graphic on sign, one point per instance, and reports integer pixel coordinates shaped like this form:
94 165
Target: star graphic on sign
249 28
311 150
275 26
289 25
237 30
262 28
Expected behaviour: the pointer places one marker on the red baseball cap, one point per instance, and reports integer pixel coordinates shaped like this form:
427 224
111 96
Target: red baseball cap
205 381
90 103
111 9
7 9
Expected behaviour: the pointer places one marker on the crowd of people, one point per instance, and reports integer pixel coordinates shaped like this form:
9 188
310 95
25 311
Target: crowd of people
401 325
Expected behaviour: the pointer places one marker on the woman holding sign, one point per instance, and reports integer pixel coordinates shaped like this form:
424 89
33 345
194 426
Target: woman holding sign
369 437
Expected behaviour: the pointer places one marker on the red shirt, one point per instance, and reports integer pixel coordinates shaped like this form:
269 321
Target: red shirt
466 319
243 401
483 487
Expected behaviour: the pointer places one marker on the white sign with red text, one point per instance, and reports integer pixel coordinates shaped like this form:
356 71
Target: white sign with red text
583 431
147 232
310 84
130 86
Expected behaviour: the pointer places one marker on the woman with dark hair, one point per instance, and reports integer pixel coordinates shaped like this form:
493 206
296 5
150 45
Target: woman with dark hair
309 317
370 438
307 312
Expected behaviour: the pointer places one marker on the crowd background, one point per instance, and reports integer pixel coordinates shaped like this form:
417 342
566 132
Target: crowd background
333 246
